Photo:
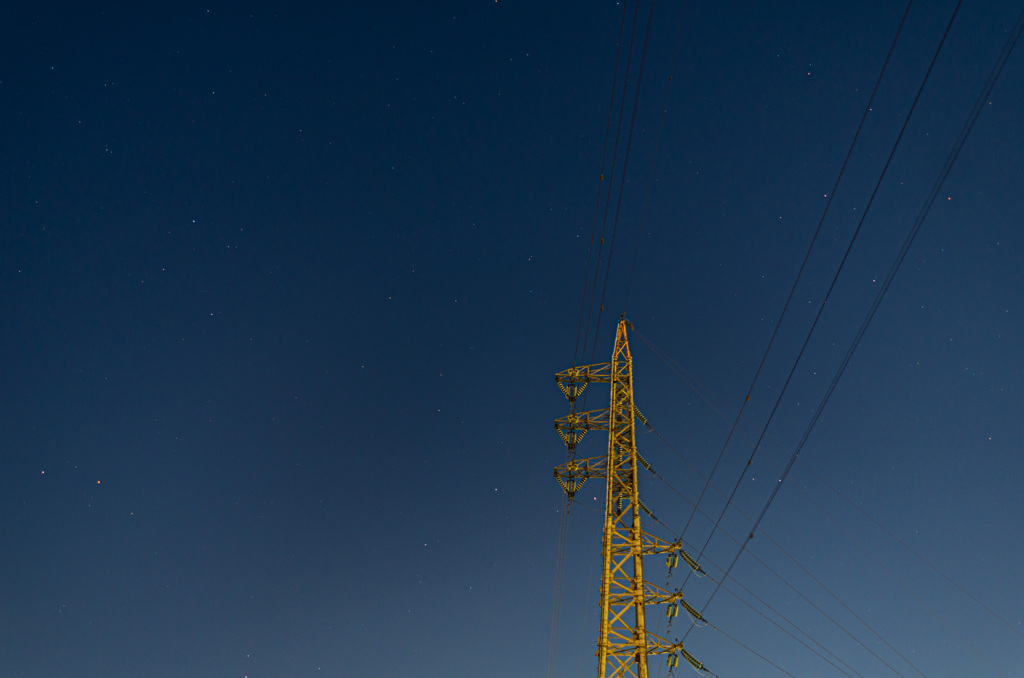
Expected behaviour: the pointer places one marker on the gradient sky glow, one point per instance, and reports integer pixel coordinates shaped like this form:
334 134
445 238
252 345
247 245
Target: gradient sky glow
283 289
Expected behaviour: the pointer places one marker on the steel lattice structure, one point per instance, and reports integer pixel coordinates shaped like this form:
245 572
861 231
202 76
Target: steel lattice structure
624 642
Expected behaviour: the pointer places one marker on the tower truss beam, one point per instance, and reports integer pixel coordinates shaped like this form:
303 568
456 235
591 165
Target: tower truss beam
623 643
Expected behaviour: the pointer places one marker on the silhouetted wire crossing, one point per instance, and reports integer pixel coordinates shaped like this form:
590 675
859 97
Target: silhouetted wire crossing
835 278
930 200
622 177
828 294
654 157
590 298
597 206
951 158
807 256
771 570
749 649
607 201
688 379
993 78
817 581
563 520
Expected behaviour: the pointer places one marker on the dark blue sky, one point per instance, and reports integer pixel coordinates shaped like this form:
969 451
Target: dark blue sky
283 290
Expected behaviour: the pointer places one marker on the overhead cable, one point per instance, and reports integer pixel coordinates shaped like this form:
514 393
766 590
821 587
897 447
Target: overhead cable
807 255
842 264
688 379
654 158
625 166
926 207
782 579
597 205
556 601
611 175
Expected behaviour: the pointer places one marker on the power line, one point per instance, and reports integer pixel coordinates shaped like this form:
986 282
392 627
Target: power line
615 151
586 606
675 368
752 651
937 186
688 378
563 521
807 255
795 562
654 158
597 205
556 602
770 607
625 166
911 549
597 267
949 627
754 608
839 270
919 220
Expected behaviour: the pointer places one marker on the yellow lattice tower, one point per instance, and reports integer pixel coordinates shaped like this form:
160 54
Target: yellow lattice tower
624 642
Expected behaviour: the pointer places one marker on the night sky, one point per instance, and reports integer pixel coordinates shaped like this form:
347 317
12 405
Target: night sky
283 289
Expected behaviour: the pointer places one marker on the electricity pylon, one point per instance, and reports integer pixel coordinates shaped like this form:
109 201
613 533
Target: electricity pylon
624 641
